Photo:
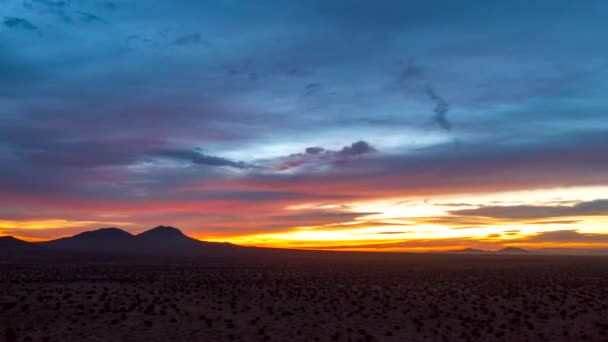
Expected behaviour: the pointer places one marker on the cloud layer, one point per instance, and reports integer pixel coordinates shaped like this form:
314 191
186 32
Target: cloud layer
222 119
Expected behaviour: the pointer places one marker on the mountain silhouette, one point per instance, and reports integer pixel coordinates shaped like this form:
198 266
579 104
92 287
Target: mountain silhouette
104 234
167 240
470 251
162 232
11 242
513 250
13 248
104 240
159 241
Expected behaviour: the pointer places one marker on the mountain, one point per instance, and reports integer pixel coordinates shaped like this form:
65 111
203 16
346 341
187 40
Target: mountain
11 242
13 248
160 241
104 240
167 240
108 234
507 250
513 250
469 251
163 232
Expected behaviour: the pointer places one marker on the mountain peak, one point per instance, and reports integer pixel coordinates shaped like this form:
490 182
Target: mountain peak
158 241
513 250
104 233
162 231
472 250
6 241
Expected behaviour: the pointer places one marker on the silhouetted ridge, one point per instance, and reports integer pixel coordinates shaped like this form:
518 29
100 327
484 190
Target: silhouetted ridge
161 241
165 240
513 250
470 251
162 232
104 233
104 240
10 241
12 248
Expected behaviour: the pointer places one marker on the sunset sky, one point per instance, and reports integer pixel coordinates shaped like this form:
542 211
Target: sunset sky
394 125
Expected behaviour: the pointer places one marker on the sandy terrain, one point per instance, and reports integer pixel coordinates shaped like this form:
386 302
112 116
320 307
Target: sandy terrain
324 298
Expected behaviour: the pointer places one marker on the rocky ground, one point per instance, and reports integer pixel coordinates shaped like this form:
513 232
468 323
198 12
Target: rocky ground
342 298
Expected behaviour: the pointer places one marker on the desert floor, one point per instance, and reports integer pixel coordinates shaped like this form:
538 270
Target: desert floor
322 298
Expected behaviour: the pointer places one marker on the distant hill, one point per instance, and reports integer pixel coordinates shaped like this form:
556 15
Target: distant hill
513 250
159 241
11 242
107 234
104 240
12 248
470 251
507 250
166 241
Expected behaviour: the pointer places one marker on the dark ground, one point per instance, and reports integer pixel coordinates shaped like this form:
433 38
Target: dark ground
320 297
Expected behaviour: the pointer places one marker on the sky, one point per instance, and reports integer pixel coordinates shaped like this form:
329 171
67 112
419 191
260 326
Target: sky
347 125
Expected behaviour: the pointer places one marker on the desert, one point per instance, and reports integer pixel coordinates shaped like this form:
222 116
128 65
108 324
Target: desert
320 296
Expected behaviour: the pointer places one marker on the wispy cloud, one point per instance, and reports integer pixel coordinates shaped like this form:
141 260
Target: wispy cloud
19 23
591 208
196 156
441 108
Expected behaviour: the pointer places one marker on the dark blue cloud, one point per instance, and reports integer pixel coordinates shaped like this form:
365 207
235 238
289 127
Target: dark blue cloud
591 208
569 236
18 23
196 156
441 109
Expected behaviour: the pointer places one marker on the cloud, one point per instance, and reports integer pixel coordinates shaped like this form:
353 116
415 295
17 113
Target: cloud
590 208
317 217
67 11
58 149
474 222
59 4
111 5
89 18
411 70
318 155
565 236
355 149
441 108
20 23
449 204
312 88
475 168
196 156
57 8
256 196
189 39
543 222
425 244
47 147
390 233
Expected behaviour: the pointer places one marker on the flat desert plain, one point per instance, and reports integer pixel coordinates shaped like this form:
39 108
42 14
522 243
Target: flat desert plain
309 297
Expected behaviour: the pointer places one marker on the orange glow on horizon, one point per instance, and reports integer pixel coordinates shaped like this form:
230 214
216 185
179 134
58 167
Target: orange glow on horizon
388 224
420 225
